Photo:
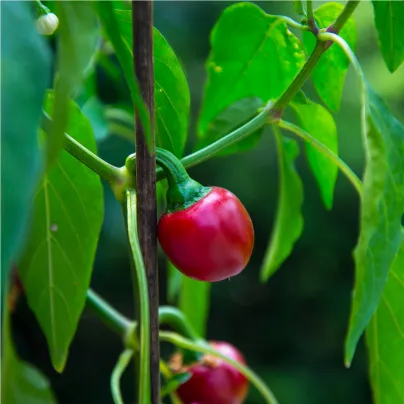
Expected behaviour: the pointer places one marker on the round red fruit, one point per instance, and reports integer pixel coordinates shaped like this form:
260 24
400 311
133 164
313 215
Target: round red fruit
210 240
213 381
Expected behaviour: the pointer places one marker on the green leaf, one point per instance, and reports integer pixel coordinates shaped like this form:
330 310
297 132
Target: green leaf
174 282
25 73
194 303
382 208
385 338
253 54
389 21
21 382
329 73
172 98
174 383
171 92
230 119
289 220
319 123
56 266
77 42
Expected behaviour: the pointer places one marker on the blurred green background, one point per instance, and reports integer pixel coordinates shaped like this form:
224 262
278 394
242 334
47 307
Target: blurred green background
291 329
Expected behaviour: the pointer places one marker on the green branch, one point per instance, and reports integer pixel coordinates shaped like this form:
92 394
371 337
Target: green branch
237 135
311 22
110 316
282 102
105 170
345 169
203 347
348 10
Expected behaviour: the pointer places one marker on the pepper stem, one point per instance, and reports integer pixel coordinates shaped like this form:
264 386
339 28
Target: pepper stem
182 191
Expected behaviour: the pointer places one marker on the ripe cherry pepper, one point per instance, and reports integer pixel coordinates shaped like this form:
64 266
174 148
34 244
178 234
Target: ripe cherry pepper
213 381
206 232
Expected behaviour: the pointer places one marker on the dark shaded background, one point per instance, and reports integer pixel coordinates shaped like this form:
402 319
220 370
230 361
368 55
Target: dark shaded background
291 329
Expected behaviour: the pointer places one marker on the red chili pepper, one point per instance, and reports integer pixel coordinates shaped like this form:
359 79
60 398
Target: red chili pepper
213 381
205 232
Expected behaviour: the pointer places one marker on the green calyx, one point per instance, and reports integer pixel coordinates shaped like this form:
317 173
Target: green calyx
182 191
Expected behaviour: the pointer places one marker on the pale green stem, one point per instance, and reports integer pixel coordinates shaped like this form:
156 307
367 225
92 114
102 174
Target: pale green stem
345 169
110 316
328 36
211 150
140 282
123 362
202 347
292 23
92 161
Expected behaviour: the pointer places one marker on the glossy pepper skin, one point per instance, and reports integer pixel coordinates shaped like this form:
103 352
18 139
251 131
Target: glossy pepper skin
214 381
211 240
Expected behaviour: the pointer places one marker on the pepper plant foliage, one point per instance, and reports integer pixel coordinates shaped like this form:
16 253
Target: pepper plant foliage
255 70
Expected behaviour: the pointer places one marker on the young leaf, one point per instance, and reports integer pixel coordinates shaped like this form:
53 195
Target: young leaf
22 61
194 303
389 21
230 119
385 338
57 263
289 220
329 74
77 42
20 382
382 208
319 123
253 54
171 92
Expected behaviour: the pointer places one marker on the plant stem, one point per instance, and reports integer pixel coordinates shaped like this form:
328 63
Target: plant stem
328 36
282 102
177 321
45 10
345 169
110 316
340 21
121 365
105 170
211 150
294 24
310 14
141 290
203 347
311 22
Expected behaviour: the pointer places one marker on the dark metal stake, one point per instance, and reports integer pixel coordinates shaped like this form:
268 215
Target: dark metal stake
142 14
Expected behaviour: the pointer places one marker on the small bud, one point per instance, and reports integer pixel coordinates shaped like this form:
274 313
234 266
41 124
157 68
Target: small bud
47 24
